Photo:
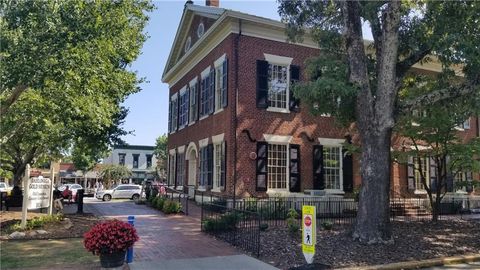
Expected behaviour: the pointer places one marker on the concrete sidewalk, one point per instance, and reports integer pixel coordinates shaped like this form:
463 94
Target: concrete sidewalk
235 262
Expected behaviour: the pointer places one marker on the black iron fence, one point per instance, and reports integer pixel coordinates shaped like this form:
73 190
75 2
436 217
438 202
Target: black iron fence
240 228
177 195
337 210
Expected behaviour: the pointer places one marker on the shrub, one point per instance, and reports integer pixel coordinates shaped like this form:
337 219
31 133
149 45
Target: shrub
225 223
263 226
171 207
37 222
110 237
327 225
292 222
159 203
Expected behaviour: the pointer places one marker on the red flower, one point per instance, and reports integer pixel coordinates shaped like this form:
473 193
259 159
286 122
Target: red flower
109 237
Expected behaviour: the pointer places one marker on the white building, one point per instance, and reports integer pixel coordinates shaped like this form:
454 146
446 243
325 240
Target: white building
138 158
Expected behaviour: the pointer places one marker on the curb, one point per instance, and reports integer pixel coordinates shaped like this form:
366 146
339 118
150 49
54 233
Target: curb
420 264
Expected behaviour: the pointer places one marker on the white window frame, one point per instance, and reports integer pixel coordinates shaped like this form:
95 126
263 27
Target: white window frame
171 171
462 178
466 124
181 173
280 140
183 91
193 101
174 124
329 142
218 64
281 61
205 73
419 188
201 144
217 142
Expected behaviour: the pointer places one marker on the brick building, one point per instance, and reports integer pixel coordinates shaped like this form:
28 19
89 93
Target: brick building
234 126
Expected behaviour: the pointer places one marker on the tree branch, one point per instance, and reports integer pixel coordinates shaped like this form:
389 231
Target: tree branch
451 92
405 65
17 91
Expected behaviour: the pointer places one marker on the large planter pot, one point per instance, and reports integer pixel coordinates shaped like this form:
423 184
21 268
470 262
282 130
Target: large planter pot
108 260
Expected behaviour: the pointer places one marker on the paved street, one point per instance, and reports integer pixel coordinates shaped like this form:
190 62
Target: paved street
162 237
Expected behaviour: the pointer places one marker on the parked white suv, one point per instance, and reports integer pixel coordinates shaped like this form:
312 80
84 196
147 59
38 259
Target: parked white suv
125 191
4 187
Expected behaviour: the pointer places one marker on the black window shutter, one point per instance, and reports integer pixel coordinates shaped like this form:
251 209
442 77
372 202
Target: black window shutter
262 171
347 171
295 180
211 93
469 178
176 169
224 165
449 179
225 83
433 174
410 173
262 84
169 116
294 77
318 174
210 165
187 106
197 97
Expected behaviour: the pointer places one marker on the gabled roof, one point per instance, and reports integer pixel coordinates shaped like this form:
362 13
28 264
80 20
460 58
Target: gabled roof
184 28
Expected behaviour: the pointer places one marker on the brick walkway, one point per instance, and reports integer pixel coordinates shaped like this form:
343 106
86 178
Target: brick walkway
163 237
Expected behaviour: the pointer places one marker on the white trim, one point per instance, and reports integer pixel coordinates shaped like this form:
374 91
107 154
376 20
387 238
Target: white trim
181 149
191 146
419 191
191 123
172 151
183 91
203 117
215 189
206 72
271 138
217 139
277 59
420 147
218 111
278 110
220 60
193 81
174 96
203 143
331 142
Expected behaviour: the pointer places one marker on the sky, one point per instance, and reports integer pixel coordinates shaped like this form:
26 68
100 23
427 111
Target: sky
148 116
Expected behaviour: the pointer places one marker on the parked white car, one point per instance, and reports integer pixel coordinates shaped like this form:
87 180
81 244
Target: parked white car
124 191
4 187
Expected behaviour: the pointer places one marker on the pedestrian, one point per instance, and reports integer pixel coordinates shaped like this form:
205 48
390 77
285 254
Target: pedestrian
67 194
57 200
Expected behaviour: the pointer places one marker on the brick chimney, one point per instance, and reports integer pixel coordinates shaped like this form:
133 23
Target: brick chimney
212 3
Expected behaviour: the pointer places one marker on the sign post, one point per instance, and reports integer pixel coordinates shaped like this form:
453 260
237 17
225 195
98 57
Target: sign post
26 178
309 232
52 177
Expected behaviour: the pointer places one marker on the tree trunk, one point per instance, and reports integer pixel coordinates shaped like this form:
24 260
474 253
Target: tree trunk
373 218
18 172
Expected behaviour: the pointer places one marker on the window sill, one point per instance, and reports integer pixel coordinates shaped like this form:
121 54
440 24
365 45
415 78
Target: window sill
279 110
334 192
191 123
180 128
420 191
216 190
202 189
203 117
218 111
278 192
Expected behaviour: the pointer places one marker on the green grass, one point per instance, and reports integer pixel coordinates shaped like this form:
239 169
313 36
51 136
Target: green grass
45 253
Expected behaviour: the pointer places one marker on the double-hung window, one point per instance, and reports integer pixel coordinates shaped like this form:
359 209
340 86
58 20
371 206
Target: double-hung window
135 161
173 113
180 169
332 164
149 161
277 166
219 165
207 89
422 169
171 167
220 83
193 100
121 159
278 86
183 108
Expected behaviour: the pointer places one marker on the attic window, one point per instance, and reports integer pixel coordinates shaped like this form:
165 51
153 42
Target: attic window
188 44
200 30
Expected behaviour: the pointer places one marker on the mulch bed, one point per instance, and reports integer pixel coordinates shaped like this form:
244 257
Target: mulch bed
336 248
73 226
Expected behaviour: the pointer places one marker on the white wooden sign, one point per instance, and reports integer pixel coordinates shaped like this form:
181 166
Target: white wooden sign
38 193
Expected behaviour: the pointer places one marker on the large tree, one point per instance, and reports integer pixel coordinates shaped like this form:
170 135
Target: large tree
161 153
367 78
63 75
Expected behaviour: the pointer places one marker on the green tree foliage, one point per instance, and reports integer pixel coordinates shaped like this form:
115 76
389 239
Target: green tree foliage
161 153
63 76
113 172
434 132
366 78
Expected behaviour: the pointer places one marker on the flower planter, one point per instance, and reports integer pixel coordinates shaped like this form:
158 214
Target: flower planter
111 260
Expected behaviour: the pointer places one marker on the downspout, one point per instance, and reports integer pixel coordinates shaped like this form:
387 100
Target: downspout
235 118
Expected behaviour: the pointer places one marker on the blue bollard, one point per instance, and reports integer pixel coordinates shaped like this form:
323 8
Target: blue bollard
131 220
